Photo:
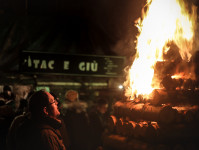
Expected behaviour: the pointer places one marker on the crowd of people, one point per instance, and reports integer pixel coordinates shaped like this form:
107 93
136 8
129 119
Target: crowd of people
43 122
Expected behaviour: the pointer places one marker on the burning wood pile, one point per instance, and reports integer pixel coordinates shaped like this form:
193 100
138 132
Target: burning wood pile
161 110
167 124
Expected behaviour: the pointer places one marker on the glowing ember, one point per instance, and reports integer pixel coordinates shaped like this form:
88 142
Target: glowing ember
177 76
165 21
183 76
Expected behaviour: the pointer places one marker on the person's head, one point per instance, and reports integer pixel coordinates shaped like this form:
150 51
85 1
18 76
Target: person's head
56 98
102 106
7 91
6 88
54 95
43 104
72 95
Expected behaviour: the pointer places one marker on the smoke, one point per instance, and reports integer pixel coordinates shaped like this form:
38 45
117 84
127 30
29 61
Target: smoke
124 23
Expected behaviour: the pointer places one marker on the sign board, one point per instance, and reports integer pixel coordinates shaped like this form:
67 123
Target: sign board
89 65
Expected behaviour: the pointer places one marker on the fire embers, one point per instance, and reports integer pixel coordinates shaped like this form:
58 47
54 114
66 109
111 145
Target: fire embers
164 114
170 83
146 126
127 134
174 97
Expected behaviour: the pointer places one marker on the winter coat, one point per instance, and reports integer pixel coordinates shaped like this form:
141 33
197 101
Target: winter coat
97 128
77 125
16 123
41 134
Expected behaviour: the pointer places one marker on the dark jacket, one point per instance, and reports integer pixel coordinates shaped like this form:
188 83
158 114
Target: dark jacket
16 123
76 120
97 128
42 134
6 117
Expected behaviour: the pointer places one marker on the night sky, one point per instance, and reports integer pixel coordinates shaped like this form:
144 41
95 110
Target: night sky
98 27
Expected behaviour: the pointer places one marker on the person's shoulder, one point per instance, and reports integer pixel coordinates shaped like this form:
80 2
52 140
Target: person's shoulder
23 116
48 130
50 139
18 120
50 134
78 106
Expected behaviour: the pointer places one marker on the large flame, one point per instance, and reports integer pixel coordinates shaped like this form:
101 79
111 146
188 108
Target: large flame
163 22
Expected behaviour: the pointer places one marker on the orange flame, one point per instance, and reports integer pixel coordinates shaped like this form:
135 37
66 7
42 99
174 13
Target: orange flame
164 21
178 76
183 76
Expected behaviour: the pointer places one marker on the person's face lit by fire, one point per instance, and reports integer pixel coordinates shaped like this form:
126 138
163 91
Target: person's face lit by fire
52 109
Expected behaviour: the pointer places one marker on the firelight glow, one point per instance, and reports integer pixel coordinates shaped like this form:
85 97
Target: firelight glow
163 21
182 76
120 87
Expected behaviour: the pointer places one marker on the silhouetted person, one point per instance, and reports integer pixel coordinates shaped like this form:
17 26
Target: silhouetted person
6 117
7 93
76 120
8 96
22 107
40 129
98 124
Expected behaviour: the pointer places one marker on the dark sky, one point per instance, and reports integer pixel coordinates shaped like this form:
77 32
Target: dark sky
99 27
102 24
102 27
